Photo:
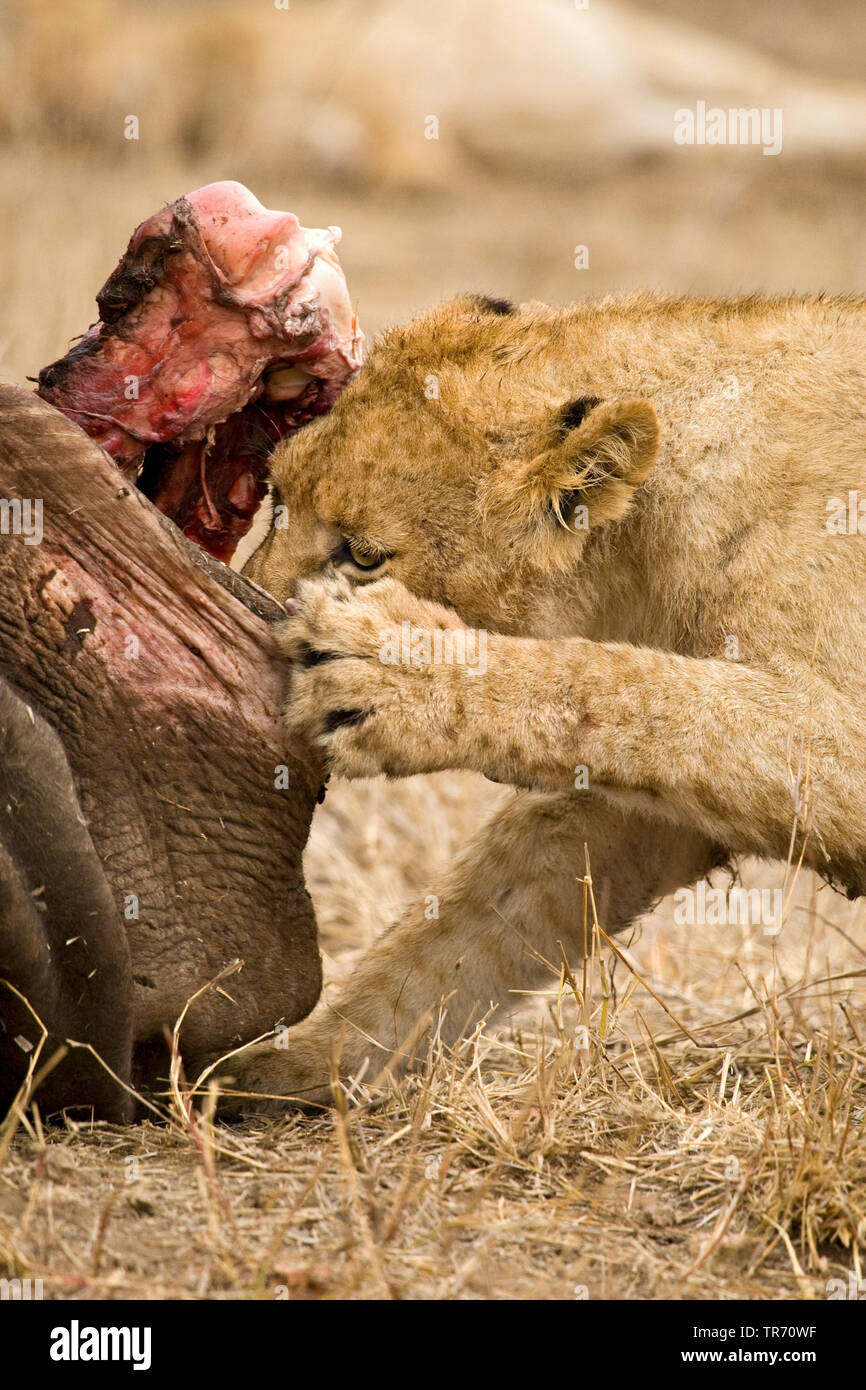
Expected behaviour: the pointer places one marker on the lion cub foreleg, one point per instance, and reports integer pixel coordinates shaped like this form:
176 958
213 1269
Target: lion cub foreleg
745 753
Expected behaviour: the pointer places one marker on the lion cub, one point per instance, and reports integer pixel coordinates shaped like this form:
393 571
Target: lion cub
612 555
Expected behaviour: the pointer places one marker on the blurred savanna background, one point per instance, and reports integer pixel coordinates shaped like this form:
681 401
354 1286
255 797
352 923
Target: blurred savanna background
709 1142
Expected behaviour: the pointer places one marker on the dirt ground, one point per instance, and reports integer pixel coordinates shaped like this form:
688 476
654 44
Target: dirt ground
707 1141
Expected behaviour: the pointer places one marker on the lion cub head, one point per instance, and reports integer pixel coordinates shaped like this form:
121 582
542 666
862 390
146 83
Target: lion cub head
473 459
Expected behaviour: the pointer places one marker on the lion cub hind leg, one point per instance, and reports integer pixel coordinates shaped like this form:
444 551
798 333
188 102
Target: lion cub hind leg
492 931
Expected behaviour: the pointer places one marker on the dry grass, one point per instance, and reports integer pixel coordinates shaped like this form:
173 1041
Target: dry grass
707 1143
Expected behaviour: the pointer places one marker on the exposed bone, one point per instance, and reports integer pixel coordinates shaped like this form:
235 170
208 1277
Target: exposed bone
224 327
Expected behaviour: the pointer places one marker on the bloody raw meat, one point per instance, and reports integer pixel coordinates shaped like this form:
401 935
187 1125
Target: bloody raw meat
224 327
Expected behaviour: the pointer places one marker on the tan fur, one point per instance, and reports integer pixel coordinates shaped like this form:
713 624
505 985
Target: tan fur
724 429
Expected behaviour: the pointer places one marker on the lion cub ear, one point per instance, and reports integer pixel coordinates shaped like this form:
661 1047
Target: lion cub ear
594 454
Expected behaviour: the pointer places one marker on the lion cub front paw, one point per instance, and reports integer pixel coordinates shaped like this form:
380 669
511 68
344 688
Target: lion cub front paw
367 685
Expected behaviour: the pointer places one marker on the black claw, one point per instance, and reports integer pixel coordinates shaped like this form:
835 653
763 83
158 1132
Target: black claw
308 656
344 719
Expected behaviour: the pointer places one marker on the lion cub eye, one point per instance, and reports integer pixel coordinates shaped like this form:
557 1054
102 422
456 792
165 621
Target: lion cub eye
364 554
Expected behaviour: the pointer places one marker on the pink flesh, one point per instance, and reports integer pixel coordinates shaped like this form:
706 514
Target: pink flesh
212 292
